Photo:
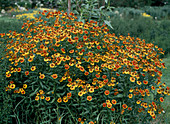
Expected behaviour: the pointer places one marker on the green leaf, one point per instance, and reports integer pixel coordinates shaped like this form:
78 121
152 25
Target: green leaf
34 92
119 95
108 23
101 8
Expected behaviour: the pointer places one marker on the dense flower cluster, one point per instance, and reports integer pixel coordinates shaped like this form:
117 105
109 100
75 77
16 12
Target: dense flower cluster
70 58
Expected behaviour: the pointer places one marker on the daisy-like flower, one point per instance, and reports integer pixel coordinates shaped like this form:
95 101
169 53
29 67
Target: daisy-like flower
54 76
145 82
114 102
89 98
59 100
42 76
37 98
33 68
130 95
27 73
161 99
109 105
104 104
19 70
132 79
47 98
24 86
124 106
107 92
12 86
52 65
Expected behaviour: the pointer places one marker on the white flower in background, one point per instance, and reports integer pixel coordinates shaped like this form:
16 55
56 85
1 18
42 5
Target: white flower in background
0 15
116 12
41 5
3 11
21 8
163 111
156 18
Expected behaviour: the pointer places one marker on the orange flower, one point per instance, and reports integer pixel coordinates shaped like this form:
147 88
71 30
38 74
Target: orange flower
52 65
37 98
86 73
104 76
132 79
63 50
161 99
97 75
79 119
109 105
30 59
67 66
112 109
12 86
98 47
23 92
124 106
130 108
69 79
130 95
71 51
33 68
139 82
104 104
65 100
85 37
68 94
145 82
89 98
54 76
27 73
19 70
114 102
8 75
42 76
91 122
59 100
47 98
107 92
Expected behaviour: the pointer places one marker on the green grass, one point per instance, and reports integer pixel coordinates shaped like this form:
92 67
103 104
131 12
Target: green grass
8 23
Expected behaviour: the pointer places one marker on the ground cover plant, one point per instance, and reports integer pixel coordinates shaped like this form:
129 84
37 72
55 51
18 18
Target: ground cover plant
60 69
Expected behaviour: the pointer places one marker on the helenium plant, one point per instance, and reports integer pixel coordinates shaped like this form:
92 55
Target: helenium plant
67 71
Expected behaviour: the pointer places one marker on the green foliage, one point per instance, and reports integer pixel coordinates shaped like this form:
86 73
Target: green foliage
5 4
158 12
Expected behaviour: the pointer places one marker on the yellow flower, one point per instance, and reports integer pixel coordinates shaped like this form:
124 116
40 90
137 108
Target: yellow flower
37 98
24 86
33 68
42 76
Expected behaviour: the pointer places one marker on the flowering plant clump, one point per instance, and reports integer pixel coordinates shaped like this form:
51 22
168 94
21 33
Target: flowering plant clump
75 72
